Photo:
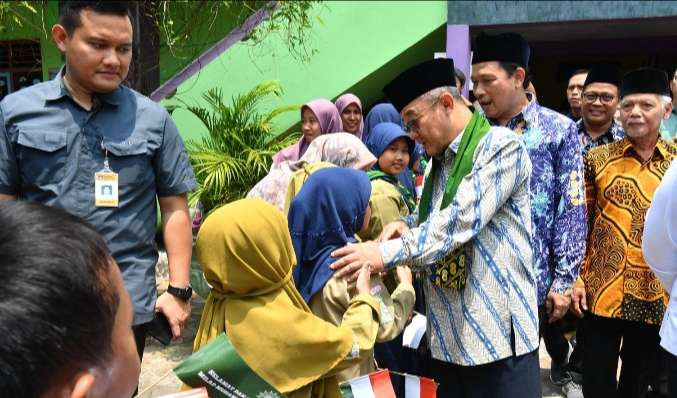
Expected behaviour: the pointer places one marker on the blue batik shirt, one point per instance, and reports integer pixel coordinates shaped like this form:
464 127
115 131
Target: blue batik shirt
495 315
557 196
614 133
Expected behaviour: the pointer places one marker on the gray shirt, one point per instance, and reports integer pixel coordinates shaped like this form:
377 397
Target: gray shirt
51 147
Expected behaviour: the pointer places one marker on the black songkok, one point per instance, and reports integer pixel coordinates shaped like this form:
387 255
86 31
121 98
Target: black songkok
504 47
604 73
418 80
645 81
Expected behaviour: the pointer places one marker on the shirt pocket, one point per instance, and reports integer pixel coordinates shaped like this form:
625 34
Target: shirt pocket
131 161
42 155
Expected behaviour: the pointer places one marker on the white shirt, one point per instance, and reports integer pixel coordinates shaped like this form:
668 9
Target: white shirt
659 246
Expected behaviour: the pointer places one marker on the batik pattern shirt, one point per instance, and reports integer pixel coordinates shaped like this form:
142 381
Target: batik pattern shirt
614 133
489 218
619 187
557 196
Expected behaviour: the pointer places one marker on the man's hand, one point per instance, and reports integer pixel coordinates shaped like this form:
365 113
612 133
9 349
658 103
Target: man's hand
176 310
354 257
393 230
579 302
556 305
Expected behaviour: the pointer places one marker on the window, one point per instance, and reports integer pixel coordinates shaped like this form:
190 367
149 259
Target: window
20 65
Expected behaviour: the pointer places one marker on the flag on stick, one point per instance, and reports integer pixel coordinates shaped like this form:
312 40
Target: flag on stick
373 385
419 387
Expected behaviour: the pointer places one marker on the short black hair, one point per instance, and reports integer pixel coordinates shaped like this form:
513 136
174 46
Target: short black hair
579 72
69 11
511 67
57 303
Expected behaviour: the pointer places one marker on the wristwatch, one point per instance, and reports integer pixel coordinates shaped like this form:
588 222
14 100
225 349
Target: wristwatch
183 293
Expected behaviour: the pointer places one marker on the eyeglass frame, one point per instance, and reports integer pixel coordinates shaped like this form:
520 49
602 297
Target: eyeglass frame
412 126
598 96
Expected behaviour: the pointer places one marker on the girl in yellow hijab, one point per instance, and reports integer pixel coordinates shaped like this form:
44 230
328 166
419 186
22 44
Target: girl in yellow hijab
247 256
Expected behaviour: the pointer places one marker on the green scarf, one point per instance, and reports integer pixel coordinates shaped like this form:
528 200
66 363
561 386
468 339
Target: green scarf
406 195
450 272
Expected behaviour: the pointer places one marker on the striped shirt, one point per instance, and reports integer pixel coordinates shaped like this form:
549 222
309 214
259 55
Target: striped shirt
490 217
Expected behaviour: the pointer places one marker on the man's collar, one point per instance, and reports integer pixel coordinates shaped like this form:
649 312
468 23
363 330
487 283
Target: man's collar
613 130
531 108
56 90
527 114
661 147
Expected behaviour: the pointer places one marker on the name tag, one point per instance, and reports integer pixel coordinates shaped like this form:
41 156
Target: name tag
106 189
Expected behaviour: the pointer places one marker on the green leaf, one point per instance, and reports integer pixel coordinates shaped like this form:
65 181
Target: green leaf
236 152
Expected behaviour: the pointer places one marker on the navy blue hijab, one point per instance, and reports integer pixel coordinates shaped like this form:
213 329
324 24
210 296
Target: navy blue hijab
379 114
324 216
383 134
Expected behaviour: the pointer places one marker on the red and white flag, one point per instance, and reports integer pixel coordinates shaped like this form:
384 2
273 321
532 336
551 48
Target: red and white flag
419 387
373 385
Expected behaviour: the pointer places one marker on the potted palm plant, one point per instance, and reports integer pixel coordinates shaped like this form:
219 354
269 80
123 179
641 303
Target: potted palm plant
236 153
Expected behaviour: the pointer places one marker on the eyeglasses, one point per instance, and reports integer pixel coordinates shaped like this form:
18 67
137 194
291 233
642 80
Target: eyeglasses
604 98
412 126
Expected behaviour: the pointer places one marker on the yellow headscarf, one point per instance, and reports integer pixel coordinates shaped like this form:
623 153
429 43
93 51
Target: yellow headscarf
247 256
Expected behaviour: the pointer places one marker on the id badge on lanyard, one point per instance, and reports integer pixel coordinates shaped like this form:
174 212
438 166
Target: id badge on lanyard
106 185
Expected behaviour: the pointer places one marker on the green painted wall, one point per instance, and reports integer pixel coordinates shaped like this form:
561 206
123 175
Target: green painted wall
205 30
360 45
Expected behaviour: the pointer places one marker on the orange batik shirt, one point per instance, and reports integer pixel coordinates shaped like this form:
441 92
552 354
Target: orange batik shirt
619 188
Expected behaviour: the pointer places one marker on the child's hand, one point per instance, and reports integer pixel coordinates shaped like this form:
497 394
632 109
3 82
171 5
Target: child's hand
404 274
363 278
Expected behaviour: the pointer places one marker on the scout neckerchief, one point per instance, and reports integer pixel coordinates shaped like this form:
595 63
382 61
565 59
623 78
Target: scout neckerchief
451 271
406 195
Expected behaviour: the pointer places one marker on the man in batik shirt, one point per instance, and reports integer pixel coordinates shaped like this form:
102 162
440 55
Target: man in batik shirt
471 236
623 299
499 76
600 101
600 98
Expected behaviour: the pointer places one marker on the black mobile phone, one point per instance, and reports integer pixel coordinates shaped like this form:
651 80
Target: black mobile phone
160 329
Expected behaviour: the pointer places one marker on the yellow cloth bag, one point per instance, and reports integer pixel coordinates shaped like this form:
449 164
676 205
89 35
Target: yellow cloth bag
247 256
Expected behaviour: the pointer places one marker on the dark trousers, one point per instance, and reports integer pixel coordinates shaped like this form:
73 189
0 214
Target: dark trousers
516 376
638 352
140 332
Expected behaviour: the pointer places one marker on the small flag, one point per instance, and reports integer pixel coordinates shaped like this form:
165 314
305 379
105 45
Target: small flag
418 186
373 385
218 367
419 387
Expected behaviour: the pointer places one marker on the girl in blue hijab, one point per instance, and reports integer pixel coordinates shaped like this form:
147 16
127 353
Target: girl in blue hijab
323 217
378 114
331 207
394 150
386 113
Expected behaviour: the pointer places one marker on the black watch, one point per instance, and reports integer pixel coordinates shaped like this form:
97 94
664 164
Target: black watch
184 294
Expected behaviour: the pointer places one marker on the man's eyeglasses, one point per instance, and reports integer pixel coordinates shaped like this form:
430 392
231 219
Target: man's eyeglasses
604 97
412 126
